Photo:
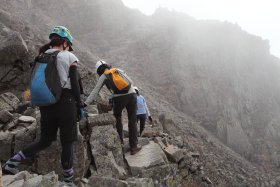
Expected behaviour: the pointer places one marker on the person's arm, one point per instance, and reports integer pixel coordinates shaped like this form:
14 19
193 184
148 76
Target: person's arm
147 110
73 75
94 93
80 83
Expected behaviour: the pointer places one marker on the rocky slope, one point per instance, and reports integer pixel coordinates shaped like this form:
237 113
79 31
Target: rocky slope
198 72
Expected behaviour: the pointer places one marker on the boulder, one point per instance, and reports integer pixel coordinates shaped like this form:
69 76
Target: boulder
33 182
152 131
164 175
131 182
106 181
107 152
149 156
26 119
158 140
25 137
5 116
101 120
10 99
12 125
18 183
173 153
13 52
50 159
13 180
6 140
92 109
25 179
140 182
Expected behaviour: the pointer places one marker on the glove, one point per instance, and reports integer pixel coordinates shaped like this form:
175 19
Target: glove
150 119
80 114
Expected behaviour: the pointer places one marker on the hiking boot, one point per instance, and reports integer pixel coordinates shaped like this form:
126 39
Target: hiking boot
10 168
135 149
69 181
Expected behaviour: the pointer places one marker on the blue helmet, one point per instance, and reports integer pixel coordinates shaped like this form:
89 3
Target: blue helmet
63 32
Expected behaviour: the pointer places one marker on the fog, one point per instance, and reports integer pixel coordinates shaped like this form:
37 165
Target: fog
259 17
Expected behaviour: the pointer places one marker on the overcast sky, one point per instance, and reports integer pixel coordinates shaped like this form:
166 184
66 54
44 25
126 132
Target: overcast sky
259 17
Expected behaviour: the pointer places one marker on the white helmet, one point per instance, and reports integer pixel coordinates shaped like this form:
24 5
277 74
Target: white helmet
136 89
99 63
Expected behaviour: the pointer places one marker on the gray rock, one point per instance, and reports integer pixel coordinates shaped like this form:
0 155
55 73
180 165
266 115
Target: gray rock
6 139
18 183
158 140
152 131
207 180
33 182
92 109
150 155
179 141
165 175
5 116
173 153
10 99
101 120
10 180
13 52
49 159
26 119
107 152
1 180
140 182
50 180
11 125
24 137
106 181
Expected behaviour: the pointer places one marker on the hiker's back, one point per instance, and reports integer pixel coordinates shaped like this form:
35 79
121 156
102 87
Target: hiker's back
119 82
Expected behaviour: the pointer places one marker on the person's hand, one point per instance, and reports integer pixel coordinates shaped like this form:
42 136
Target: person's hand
81 111
80 114
150 119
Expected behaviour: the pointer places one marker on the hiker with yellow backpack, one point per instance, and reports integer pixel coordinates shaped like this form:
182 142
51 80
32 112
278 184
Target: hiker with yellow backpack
124 96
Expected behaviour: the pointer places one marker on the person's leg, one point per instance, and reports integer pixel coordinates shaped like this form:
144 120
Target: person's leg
118 106
67 161
132 127
48 134
67 117
142 118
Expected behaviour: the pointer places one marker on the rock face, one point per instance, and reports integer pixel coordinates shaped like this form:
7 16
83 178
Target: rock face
151 155
107 152
5 116
6 139
25 179
12 50
52 155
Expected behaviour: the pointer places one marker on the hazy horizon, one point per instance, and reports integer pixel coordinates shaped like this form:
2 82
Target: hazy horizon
256 17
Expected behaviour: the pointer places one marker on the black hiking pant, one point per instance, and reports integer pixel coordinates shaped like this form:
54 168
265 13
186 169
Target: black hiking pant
62 116
130 103
142 118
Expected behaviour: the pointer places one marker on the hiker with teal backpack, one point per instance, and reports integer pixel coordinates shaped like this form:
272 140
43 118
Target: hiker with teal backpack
56 90
123 96
142 111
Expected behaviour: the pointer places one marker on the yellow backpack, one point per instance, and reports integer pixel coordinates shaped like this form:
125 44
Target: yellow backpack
119 82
